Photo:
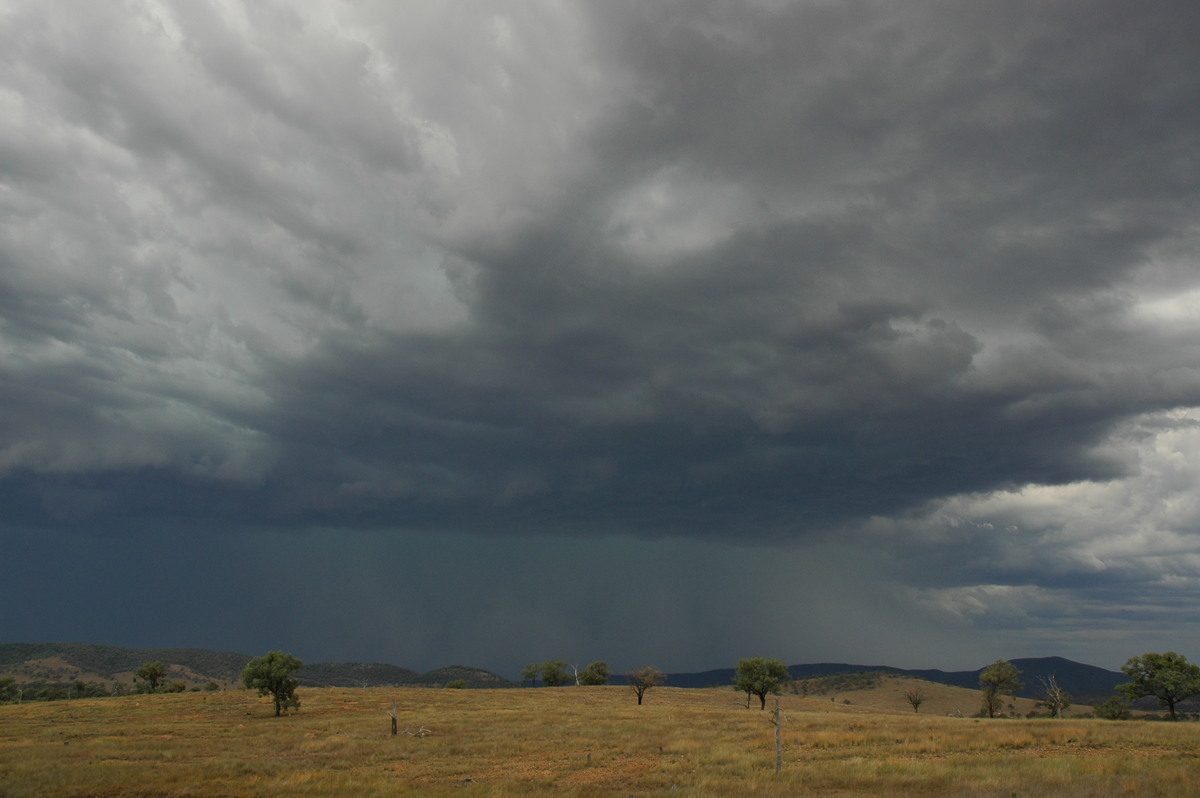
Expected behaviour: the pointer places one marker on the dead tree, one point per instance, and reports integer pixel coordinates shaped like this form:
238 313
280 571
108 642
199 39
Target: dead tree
1054 698
916 697
392 712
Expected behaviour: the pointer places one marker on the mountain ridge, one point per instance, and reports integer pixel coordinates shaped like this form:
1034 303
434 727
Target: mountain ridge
68 662
1084 682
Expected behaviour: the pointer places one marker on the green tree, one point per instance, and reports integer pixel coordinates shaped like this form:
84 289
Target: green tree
643 679
149 675
52 692
7 690
1168 677
997 680
530 673
1115 708
760 676
271 675
595 674
455 684
554 673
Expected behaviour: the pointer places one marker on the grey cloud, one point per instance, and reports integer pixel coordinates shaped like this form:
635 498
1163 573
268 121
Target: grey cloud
778 274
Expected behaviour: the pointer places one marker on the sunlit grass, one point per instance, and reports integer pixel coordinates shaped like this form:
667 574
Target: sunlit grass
567 741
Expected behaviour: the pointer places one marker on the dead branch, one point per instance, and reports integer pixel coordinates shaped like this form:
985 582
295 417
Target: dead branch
421 732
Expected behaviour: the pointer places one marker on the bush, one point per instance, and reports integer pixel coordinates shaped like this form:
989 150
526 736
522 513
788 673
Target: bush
1115 708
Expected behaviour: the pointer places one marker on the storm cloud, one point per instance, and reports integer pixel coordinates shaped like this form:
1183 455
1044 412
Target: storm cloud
530 303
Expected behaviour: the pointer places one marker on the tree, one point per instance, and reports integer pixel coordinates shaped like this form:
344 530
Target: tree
554 673
1053 697
271 675
1115 708
1168 677
455 684
150 674
595 674
759 676
643 679
916 697
999 679
530 674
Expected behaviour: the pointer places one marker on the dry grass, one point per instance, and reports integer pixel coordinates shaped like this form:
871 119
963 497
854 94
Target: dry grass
567 741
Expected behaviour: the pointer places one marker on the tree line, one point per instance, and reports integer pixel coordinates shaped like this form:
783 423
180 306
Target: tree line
1167 677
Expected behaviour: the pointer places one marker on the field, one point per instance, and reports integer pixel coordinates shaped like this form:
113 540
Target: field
575 741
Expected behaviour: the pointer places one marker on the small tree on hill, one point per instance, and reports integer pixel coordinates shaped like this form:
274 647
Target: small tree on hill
760 676
554 673
916 697
997 680
643 679
1168 677
530 674
149 675
595 674
271 675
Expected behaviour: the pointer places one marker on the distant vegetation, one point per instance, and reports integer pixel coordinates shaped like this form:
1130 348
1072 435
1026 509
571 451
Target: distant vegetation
62 671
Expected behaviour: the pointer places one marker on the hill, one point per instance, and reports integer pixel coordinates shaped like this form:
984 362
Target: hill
359 674
1085 683
65 663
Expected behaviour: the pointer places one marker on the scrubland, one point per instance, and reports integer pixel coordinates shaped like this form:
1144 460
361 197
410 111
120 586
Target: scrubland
574 741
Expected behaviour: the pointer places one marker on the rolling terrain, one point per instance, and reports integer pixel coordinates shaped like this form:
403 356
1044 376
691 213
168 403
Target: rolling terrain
64 663
860 739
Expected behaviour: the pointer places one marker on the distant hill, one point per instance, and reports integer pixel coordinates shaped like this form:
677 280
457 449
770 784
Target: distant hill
62 663
69 662
358 674
1086 684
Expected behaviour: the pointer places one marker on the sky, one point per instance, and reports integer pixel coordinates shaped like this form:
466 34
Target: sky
664 333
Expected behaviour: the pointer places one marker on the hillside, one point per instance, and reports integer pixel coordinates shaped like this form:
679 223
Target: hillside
65 663
359 674
886 692
1085 683
48 663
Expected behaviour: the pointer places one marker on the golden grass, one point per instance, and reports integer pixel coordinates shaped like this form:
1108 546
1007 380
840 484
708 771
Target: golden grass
567 741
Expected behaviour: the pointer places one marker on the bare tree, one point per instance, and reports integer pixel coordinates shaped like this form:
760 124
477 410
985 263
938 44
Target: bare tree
1053 697
916 697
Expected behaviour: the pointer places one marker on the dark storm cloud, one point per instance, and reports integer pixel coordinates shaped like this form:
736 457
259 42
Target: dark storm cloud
772 273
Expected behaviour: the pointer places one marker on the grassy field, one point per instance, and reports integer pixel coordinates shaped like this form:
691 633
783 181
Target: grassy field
571 741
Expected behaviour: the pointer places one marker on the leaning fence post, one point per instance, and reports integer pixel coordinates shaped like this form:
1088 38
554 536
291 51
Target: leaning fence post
777 721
